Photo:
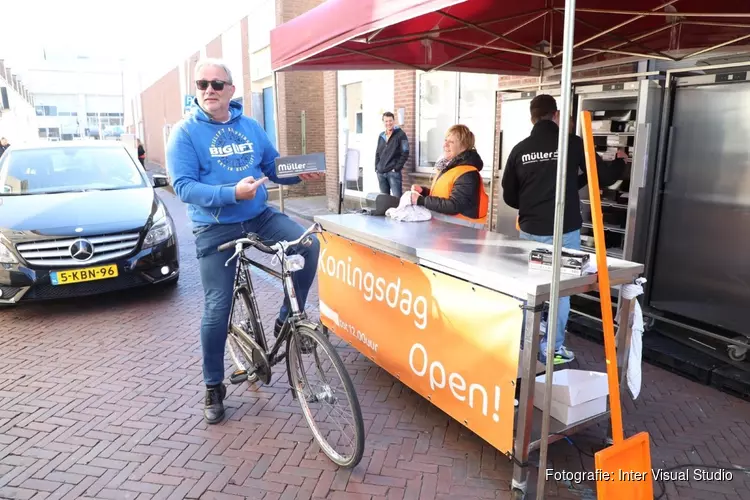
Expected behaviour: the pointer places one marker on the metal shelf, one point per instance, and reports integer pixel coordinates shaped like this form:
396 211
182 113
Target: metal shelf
608 204
624 134
613 229
615 253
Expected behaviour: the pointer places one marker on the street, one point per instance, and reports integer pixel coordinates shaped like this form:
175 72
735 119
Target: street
102 398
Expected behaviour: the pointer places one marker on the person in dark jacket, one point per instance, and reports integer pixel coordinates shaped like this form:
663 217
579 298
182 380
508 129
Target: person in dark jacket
390 156
529 184
457 190
141 153
3 145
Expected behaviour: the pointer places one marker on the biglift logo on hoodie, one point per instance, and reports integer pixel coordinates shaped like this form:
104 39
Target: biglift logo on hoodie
232 150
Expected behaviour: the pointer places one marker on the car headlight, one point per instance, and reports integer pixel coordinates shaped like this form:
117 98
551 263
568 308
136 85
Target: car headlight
6 256
160 231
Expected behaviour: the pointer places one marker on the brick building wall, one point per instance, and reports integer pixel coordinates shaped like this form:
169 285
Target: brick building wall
192 62
161 106
331 119
246 78
298 92
405 96
213 48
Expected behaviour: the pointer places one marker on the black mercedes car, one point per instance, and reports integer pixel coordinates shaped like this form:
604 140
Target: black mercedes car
81 218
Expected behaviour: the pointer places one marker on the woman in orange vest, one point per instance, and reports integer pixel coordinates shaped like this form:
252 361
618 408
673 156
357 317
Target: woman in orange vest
457 190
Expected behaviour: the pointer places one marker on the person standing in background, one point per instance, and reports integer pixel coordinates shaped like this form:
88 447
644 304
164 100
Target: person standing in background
390 156
141 153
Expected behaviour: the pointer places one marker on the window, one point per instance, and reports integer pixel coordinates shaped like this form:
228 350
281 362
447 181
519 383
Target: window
448 98
95 120
58 170
352 106
46 110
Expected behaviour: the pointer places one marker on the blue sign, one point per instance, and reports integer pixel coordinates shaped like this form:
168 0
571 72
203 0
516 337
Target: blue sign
188 101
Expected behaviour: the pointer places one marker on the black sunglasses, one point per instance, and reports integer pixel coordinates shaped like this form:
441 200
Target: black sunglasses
217 85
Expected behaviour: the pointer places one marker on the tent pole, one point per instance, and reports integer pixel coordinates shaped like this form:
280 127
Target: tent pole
278 137
562 161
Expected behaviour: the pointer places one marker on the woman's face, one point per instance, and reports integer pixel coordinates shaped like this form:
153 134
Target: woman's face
452 147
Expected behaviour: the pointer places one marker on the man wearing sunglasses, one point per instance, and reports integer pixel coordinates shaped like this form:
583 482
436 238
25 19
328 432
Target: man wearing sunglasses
219 161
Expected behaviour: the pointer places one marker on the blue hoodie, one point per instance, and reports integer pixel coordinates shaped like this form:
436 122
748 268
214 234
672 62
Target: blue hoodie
206 159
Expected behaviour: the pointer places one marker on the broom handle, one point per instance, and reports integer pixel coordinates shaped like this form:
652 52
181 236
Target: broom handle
603 274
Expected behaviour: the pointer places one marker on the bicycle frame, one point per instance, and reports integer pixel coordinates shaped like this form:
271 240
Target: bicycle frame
243 273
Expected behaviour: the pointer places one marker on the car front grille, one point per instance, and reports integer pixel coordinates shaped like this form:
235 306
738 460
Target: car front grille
8 292
56 253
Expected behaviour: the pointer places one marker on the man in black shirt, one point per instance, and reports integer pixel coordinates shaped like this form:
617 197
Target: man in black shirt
390 156
529 184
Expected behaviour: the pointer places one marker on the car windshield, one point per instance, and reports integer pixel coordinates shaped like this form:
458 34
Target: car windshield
67 169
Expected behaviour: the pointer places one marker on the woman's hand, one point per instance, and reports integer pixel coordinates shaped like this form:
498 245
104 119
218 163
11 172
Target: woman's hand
416 188
414 197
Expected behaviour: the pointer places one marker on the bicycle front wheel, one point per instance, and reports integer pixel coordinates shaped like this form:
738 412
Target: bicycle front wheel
327 397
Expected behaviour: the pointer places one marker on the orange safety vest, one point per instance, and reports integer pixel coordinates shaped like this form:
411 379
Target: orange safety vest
442 187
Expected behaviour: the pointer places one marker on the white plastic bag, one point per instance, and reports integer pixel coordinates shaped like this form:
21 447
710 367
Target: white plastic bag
406 212
634 373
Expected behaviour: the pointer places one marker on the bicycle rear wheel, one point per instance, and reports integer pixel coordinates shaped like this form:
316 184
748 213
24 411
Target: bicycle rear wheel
320 380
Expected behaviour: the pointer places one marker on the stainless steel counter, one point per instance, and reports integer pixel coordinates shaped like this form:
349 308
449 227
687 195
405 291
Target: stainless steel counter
488 259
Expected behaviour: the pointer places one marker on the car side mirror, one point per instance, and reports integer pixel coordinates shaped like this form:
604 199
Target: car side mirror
160 181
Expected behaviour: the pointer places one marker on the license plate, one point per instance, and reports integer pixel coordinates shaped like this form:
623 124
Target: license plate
81 275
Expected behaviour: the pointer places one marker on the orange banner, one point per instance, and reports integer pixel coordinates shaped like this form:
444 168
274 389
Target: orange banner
455 343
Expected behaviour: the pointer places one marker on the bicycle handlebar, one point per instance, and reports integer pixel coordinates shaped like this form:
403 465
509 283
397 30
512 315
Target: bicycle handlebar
226 246
275 249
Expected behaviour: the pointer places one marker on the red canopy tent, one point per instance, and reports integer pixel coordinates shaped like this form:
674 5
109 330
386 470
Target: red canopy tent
495 36
509 37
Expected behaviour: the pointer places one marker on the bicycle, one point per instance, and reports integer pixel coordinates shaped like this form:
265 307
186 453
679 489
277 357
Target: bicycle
254 360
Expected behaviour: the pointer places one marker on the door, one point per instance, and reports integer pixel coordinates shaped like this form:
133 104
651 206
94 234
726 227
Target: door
701 270
377 98
269 115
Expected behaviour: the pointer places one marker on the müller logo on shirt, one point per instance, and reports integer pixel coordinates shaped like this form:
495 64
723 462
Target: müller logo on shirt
538 157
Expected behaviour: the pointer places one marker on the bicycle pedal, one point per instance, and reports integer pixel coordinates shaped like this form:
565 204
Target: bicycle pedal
238 377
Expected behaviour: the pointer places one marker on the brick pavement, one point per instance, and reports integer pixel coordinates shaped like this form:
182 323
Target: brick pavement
102 398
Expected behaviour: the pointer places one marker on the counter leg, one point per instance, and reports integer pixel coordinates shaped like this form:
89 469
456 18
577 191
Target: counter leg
623 340
525 413
623 348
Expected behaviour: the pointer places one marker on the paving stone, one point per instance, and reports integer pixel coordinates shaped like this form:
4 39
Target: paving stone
116 413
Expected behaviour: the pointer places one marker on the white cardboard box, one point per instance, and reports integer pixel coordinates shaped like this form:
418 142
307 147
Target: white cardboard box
572 414
576 394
